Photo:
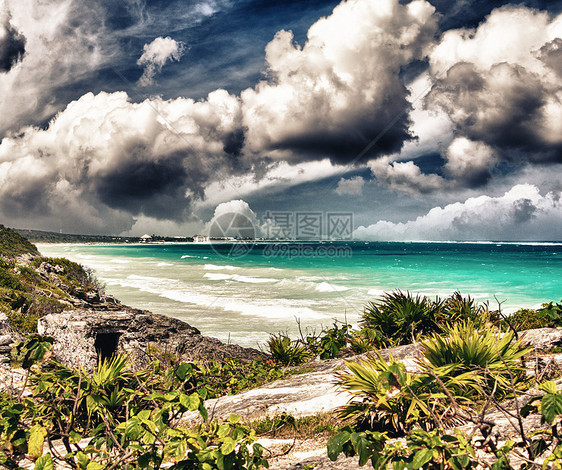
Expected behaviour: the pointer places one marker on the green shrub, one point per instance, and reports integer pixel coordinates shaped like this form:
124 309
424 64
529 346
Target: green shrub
549 316
457 308
288 352
234 376
402 318
363 340
13 244
386 396
332 341
130 420
474 361
10 281
74 275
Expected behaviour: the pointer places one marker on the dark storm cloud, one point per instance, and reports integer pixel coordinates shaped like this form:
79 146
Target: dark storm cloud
152 188
523 211
346 144
12 45
502 107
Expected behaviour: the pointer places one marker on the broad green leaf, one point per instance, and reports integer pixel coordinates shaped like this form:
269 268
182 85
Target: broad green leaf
75 437
36 440
191 402
551 406
421 457
223 430
44 463
203 411
82 460
336 443
95 466
183 370
233 419
360 447
228 445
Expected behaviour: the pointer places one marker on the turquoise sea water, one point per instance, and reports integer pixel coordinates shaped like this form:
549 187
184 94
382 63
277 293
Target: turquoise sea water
241 293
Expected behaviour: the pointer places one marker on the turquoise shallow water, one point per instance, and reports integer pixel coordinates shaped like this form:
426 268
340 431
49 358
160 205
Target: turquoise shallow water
241 293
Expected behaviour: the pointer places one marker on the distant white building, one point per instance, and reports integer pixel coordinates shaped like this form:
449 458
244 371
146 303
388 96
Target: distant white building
200 238
145 238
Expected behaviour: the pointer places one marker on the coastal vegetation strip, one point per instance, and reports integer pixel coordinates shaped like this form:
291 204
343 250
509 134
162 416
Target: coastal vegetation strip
435 413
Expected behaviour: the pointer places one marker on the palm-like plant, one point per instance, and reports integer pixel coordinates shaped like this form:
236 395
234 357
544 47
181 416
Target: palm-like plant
476 361
386 397
457 308
287 352
402 318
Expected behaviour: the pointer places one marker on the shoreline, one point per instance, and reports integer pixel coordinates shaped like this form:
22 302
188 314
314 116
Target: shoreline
245 299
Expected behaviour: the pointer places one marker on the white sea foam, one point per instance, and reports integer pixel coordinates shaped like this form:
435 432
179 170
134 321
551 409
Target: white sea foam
217 276
192 256
327 287
263 308
376 292
214 267
238 278
161 265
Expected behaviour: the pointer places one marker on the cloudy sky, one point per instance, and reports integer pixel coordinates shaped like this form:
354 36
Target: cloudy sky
425 119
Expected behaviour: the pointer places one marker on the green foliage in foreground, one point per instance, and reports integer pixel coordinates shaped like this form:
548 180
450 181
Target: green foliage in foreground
549 316
402 318
26 295
472 361
461 375
12 244
118 419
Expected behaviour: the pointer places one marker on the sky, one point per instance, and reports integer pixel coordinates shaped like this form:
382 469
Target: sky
422 120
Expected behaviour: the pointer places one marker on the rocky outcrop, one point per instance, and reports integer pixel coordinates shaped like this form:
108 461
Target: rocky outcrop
83 335
542 339
7 337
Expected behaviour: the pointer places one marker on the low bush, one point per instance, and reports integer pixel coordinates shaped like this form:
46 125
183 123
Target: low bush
476 362
387 397
130 420
402 318
288 352
9 281
13 244
549 316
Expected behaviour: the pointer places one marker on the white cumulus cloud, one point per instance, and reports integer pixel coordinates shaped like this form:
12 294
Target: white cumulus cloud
340 90
352 186
522 213
156 54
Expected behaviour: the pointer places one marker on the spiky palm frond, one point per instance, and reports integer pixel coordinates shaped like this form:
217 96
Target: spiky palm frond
385 396
479 359
402 318
287 352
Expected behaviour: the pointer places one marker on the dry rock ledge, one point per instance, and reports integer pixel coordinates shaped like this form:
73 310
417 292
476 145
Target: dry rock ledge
81 336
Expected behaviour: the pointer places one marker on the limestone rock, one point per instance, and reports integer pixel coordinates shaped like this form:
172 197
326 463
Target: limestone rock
543 339
83 335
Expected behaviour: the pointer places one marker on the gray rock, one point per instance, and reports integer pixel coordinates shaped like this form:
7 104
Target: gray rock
4 324
6 340
83 335
542 339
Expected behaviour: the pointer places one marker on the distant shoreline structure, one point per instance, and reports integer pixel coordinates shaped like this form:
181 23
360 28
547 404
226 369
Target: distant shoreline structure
39 236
